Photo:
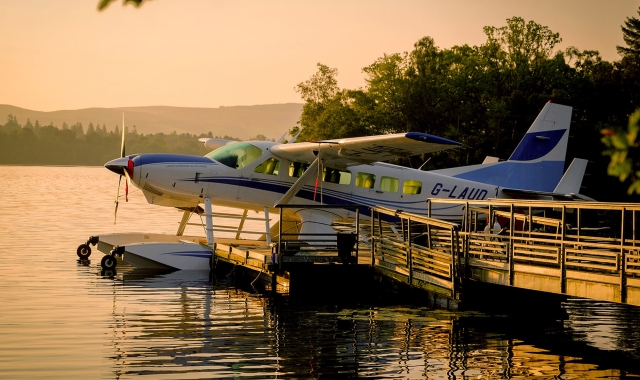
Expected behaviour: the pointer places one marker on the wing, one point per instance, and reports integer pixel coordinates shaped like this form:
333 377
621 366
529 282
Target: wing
341 153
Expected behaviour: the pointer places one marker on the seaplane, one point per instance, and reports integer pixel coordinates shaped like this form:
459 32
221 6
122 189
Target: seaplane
260 175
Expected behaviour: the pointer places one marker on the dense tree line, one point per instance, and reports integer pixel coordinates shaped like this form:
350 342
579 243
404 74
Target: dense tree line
34 144
484 96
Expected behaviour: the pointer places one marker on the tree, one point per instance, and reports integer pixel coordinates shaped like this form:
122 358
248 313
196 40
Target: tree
103 4
317 92
631 36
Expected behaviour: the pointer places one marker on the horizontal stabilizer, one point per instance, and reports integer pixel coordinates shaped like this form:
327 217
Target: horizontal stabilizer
572 178
567 189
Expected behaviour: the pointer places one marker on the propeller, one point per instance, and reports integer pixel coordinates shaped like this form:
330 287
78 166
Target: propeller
125 171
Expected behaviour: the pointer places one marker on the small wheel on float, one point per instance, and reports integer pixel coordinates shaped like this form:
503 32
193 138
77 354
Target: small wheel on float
108 262
84 251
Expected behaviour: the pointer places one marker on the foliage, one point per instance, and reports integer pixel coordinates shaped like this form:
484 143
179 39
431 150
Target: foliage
625 157
102 4
484 96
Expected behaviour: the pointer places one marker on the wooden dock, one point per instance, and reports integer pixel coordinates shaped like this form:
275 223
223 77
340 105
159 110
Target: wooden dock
580 249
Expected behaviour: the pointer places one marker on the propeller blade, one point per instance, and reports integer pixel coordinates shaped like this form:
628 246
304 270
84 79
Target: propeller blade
122 150
115 213
126 185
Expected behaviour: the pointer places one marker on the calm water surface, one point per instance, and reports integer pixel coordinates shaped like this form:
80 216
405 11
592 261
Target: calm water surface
62 319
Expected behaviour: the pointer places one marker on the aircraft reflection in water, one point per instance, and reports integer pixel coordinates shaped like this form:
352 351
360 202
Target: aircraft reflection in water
184 325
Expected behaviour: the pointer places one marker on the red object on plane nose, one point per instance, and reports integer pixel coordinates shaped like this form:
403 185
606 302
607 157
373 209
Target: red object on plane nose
130 168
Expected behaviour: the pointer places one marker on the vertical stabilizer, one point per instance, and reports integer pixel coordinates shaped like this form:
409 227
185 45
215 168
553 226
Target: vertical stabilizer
537 162
547 138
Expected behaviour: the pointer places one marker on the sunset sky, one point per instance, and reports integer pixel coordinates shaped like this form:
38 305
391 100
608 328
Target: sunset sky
65 54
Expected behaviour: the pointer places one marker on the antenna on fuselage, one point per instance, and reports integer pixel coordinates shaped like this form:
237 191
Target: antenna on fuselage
295 137
421 166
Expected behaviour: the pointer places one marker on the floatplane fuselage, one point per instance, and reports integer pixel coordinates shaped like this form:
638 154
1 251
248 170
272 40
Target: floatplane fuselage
257 174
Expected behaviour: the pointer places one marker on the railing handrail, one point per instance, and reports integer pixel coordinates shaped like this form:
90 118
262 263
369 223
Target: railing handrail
577 204
315 205
416 218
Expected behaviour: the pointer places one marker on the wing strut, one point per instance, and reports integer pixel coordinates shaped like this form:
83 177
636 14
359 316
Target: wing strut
293 190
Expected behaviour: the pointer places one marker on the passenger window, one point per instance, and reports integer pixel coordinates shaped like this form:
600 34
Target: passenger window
297 168
270 166
411 187
365 180
336 176
389 184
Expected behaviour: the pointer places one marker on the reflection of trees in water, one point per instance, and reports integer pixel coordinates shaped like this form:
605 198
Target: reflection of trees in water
217 331
607 326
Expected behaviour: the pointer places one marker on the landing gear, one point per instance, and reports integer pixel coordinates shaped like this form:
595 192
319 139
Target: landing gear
108 262
84 250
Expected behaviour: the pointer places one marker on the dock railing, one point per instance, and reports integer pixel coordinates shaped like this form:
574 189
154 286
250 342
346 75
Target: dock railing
342 247
583 249
235 230
426 253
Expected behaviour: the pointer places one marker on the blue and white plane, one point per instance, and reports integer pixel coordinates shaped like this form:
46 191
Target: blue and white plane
257 174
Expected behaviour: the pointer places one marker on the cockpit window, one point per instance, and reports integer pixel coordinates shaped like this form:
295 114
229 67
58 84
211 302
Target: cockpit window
237 155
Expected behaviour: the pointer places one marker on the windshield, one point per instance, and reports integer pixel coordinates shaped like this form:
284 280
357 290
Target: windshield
237 155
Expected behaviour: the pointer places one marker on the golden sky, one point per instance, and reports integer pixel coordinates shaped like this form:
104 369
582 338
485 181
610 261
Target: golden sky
64 54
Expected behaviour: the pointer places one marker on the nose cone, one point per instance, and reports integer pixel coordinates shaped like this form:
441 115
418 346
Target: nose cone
118 166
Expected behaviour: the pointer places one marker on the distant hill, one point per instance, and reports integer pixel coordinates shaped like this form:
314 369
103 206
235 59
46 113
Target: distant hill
271 120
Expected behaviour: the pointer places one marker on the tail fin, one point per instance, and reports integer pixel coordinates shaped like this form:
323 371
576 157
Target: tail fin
537 162
546 139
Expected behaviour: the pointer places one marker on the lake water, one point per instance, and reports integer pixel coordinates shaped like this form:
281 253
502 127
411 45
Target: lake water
61 319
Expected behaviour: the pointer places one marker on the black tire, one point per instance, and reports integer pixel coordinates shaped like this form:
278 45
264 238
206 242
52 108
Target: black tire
84 251
108 262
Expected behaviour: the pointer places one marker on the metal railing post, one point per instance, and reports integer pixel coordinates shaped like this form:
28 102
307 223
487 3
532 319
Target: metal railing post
429 225
623 263
278 256
409 253
563 256
373 240
453 264
357 232
510 247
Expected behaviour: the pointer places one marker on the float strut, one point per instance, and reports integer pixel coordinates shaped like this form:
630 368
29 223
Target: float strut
209 220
